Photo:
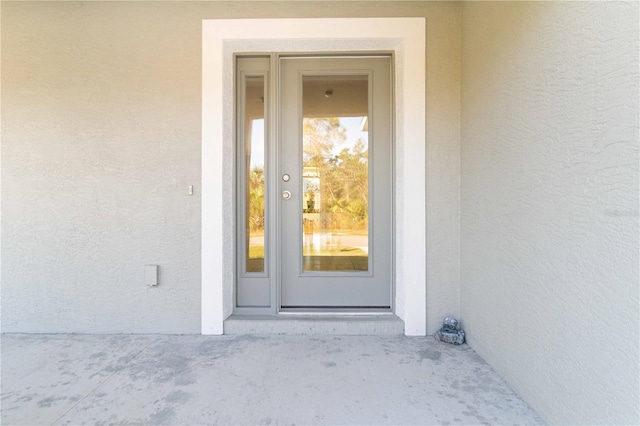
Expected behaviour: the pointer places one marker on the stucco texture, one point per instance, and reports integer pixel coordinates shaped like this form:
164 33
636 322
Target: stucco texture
550 190
101 125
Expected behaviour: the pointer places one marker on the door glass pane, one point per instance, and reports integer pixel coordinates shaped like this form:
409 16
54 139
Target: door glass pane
254 170
335 173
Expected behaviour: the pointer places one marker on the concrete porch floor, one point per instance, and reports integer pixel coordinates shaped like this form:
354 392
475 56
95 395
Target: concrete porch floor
186 380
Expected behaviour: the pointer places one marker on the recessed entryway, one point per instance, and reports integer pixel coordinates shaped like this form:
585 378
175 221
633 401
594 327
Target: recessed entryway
404 38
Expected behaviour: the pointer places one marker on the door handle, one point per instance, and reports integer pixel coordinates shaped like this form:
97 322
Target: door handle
286 195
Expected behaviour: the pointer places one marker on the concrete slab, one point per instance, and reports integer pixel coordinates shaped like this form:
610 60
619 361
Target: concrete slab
79 379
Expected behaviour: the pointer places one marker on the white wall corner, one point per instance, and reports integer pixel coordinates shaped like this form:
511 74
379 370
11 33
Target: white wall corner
212 158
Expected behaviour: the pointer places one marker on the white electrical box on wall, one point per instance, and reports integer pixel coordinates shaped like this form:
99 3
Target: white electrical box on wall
151 275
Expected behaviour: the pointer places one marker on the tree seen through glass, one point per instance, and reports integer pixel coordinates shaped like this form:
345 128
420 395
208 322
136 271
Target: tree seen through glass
336 191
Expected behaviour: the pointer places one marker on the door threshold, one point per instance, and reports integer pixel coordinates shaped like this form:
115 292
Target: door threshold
346 324
335 312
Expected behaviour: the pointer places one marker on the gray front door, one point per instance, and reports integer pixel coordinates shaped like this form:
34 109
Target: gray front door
335 182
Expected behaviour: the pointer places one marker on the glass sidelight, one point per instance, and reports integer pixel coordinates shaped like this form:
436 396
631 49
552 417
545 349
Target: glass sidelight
254 168
252 183
335 173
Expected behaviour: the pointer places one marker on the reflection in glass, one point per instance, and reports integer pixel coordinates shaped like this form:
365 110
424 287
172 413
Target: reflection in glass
335 173
254 173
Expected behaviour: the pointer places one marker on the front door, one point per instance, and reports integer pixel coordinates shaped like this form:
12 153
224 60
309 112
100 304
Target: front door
335 134
331 199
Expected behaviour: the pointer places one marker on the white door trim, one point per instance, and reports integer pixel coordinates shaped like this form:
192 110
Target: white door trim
220 40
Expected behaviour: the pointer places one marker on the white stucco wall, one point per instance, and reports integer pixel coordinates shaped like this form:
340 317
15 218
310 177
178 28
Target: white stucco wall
101 124
550 250
100 139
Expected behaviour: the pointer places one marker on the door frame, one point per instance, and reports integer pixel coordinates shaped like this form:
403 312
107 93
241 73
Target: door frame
270 66
221 40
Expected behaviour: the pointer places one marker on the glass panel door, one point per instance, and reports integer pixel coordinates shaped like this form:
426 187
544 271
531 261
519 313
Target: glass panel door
334 162
335 173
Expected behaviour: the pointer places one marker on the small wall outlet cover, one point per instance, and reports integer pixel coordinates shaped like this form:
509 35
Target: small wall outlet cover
151 275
